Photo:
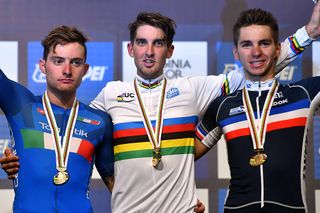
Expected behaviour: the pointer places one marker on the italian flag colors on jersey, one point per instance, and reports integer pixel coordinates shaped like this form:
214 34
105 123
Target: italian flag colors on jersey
37 139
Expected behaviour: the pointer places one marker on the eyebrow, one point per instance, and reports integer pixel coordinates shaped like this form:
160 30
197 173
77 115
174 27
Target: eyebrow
59 57
249 41
157 39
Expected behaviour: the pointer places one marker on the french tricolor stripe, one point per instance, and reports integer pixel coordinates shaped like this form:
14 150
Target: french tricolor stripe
275 122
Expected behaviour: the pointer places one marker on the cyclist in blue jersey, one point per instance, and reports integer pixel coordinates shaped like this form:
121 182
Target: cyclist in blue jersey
57 137
265 124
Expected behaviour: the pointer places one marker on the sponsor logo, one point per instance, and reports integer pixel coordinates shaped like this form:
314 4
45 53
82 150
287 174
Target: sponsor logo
125 97
237 110
285 101
175 67
278 95
37 75
172 93
95 73
287 73
188 59
78 132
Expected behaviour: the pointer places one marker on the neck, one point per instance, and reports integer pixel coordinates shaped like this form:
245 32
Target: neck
259 85
64 101
265 76
150 80
150 77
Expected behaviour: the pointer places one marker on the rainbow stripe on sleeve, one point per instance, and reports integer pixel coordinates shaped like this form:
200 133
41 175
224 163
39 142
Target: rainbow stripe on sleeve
294 45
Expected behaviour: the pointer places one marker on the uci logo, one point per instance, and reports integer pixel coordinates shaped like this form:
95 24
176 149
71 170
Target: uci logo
125 97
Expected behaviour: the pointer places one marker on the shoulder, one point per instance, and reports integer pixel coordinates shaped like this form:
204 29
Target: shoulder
94 115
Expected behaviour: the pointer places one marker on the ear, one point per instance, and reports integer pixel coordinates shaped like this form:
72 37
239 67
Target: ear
170 51
42 66
130 49
235 53
85 69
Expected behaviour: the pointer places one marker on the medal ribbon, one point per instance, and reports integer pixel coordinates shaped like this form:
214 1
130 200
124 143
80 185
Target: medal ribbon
258 132
62 154
154 136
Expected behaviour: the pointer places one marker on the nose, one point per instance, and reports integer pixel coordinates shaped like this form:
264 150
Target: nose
150 50
256 51
67 69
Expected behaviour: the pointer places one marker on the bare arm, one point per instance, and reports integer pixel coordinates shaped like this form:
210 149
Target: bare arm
201 149
200 208
109 181
313 27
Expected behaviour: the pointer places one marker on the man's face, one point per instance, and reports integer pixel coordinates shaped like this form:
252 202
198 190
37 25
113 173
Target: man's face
64 69
257 52
149 51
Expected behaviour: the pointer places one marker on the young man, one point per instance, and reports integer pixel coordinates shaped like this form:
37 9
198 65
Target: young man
154 168
265 124
55 135
154 120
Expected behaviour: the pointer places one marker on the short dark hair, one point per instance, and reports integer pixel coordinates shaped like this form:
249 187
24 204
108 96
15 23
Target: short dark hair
255 16
63 35
166 24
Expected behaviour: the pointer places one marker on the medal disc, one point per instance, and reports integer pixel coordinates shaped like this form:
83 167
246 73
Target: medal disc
155 162
258 159
60 178
156 157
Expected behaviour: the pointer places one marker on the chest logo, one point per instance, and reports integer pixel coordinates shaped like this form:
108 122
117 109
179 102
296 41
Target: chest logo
237 110
126 97
172 93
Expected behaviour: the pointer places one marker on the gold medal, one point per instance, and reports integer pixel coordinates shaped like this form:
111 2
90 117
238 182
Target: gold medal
156 157
258 127
258 159
153 135
61 152
61 177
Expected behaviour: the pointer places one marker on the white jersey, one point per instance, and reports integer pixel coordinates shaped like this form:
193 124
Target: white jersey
139 187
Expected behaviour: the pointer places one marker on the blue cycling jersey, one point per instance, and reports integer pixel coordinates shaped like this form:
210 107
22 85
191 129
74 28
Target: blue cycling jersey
31 139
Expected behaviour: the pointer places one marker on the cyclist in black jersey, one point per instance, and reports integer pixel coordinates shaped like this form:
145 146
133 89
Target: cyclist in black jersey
264 124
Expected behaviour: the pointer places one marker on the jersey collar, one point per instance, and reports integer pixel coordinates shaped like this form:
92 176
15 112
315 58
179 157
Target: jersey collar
149 83
259 85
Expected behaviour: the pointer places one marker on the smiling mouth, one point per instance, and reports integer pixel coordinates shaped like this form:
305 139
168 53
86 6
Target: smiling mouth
257 63
149 62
